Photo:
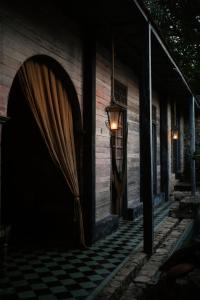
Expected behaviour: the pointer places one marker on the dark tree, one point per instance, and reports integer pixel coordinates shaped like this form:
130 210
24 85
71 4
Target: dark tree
179 24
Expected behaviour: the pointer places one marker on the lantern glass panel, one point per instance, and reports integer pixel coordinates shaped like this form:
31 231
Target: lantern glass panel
175 134
114 119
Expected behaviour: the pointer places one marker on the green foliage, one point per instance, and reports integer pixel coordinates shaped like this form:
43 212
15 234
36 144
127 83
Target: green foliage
179 24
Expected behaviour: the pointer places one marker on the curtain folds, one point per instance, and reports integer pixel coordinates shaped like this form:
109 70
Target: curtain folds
52 110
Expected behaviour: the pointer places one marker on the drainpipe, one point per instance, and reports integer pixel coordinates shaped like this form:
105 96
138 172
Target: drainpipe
192 146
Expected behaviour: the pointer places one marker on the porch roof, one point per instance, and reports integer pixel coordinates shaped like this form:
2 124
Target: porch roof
127 19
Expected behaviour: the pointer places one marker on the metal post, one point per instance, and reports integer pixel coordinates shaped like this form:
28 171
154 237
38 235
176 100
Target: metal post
164 147
192 146
146 166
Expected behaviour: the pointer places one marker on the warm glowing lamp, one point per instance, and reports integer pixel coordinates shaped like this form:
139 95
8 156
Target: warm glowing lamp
175 134
114 112
175 131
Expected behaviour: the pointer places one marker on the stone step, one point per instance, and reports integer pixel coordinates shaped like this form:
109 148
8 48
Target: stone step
149 274
182 186
141 270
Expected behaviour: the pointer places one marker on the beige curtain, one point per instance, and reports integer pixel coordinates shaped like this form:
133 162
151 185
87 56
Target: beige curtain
51 107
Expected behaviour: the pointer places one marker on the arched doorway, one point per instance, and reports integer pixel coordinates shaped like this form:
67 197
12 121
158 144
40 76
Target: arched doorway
36 201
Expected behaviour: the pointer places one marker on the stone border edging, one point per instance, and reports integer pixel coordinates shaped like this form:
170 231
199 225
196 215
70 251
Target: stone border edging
135 263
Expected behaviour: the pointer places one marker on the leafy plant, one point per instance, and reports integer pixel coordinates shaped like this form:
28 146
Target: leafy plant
179 23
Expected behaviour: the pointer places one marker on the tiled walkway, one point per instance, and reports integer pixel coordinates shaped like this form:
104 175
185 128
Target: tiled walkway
77 274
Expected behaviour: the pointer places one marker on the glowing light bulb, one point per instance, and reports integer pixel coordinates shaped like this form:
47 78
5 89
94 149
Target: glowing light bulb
175 136
113 126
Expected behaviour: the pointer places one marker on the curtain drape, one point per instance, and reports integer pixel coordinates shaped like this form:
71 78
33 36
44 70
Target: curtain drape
52 110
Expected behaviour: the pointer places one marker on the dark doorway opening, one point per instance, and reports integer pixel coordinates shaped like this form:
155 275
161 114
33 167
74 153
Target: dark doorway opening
36 201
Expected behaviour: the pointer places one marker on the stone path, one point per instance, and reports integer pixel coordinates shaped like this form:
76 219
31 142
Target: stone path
139 272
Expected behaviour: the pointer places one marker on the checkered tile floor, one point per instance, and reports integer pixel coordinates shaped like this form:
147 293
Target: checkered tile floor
77 274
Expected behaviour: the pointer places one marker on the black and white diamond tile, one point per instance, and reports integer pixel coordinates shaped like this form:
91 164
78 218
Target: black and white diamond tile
71 275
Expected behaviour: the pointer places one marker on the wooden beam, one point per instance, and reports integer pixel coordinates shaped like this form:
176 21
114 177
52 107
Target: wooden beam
164 147
89 129
146 169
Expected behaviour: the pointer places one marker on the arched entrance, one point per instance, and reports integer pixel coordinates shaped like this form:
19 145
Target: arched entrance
36 200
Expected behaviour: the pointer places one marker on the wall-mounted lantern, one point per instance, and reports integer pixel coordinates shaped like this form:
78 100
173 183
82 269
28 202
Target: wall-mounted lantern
175 133
114 111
